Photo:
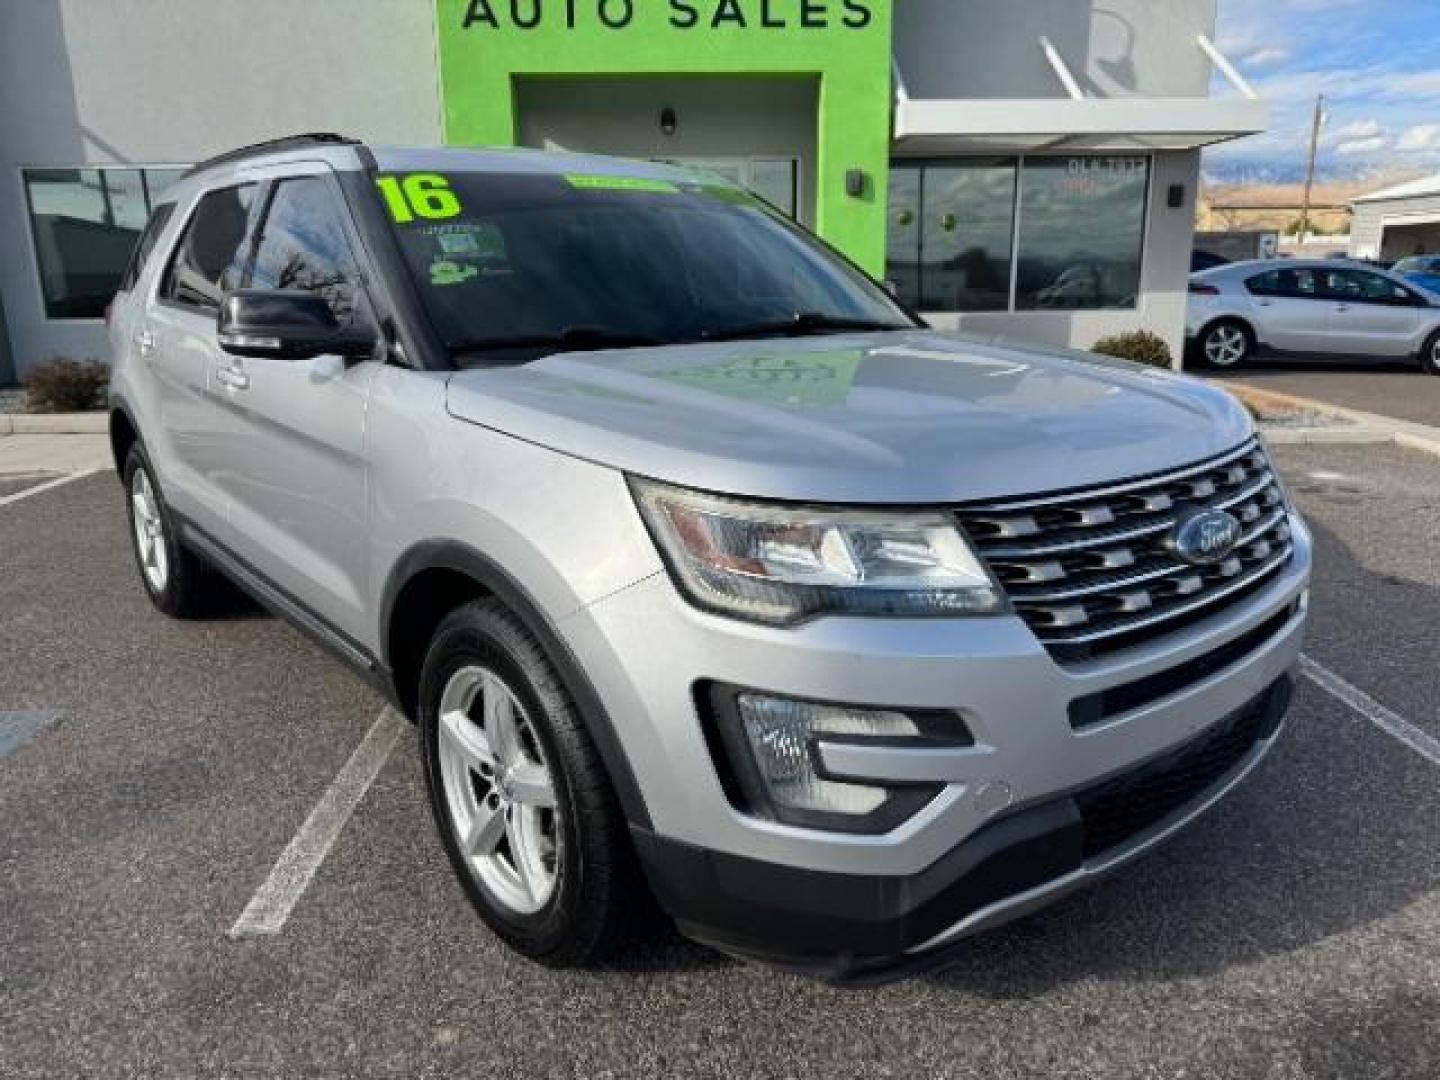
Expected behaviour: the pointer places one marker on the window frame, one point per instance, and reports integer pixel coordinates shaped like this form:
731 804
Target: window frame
365 305
926 161
24 171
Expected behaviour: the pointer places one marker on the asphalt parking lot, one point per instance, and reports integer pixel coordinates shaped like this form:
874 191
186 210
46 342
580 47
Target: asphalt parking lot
162 768
1397 390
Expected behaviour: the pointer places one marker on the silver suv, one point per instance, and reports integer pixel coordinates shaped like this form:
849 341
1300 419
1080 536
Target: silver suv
713 579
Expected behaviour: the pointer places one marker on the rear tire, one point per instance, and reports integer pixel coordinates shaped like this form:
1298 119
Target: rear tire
178 583
524 806
1225 345
1430 355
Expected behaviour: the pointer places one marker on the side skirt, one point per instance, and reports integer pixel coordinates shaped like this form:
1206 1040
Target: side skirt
280 603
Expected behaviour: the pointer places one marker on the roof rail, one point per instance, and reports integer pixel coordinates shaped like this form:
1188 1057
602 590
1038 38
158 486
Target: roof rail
273 146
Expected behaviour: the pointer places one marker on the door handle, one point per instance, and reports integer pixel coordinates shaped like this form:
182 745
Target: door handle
232 378
1342 307
1266 303
145 342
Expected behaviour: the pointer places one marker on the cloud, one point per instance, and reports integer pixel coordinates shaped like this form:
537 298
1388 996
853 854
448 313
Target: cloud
1420 137
1360 129
1351 147
1266 57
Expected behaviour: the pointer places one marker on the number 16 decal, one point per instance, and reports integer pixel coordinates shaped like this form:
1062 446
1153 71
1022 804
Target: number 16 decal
422 195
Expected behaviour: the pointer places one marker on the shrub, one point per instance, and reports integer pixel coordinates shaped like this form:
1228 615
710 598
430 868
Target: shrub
1141 346
62 385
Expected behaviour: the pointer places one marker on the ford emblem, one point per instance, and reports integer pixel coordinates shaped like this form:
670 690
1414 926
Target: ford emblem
1205 536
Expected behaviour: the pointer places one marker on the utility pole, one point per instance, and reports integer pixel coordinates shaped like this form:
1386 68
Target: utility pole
1310 166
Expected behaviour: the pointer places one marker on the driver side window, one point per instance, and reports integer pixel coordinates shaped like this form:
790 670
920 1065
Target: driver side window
302 246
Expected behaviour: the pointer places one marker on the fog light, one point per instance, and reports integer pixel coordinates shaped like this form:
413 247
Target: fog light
773 745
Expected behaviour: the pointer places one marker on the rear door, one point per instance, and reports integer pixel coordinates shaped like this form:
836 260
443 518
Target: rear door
296 475
176 342
1372 315
1291 310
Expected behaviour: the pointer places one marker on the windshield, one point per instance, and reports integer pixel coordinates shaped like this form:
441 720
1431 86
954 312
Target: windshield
514 265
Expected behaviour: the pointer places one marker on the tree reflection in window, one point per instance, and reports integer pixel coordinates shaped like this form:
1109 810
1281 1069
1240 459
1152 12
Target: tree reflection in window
303 246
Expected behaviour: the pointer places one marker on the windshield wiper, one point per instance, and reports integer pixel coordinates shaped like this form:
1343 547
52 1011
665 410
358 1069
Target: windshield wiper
799 325
570 339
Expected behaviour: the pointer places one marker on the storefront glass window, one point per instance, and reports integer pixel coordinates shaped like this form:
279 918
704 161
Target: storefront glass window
85 223
966 233
953 242
1080 232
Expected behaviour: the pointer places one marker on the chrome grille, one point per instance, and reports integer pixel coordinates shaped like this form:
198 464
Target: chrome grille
1091 571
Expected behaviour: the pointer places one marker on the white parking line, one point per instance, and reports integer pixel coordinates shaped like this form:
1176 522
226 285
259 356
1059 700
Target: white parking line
47 486
1392 723
277 896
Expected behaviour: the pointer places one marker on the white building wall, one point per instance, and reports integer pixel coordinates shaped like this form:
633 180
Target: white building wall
1369 225
152 82
990 49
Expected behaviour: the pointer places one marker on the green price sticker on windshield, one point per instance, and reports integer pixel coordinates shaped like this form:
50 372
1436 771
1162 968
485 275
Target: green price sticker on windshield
621 183
419 195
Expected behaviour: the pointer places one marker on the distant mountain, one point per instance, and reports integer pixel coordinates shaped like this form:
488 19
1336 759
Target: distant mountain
1365 176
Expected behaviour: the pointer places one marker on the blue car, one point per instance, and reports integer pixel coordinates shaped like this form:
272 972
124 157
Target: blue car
1423 270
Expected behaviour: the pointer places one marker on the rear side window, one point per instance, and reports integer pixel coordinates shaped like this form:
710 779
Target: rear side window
302 245
1299 283
210 258
146 244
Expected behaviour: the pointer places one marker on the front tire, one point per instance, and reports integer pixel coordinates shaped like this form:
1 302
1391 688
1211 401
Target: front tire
1430 355
1226 345
523 804
175 579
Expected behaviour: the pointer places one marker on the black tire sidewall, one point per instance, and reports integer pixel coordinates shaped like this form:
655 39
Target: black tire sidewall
1428 362
482 633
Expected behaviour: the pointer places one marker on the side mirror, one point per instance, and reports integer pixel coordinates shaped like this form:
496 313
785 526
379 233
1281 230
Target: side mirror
285 324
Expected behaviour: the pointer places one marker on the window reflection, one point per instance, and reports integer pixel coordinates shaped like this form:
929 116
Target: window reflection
1080 232
952 230
85 223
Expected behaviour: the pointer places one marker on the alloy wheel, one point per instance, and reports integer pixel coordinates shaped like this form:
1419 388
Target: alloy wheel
149 528
499 790
1225 346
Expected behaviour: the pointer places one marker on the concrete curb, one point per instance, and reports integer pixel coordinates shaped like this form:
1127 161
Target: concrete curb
1369 427
86 423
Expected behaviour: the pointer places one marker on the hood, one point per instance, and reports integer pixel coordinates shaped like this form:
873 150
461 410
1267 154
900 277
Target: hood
898 417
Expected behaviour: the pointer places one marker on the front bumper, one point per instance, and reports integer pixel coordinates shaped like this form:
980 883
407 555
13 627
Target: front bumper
858 928
1006 833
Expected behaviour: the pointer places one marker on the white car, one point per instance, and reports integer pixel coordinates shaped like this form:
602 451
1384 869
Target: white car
1306 307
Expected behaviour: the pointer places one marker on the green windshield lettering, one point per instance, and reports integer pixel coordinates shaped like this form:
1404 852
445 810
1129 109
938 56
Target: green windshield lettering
621 183
422 195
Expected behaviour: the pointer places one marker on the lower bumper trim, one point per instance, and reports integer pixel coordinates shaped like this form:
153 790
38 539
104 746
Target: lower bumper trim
865 928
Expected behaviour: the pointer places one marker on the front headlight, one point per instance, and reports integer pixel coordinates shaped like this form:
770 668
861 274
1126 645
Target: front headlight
782 564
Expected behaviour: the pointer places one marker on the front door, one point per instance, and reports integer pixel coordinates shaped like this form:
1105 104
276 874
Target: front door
1371 315
296 475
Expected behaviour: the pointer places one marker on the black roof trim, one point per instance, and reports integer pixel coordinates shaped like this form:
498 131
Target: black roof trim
273 146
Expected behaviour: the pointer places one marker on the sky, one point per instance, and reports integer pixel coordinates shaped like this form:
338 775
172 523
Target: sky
1376 61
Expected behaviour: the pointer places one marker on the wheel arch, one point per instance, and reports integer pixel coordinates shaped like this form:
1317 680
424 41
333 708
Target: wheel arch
124 434
433 578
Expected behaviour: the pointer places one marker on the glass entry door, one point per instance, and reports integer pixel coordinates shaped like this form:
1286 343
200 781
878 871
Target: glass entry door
776 180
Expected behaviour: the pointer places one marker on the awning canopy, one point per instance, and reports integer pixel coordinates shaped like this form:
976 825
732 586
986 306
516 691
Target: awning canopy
1035 124
1078 122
